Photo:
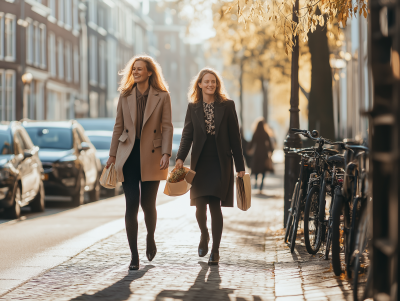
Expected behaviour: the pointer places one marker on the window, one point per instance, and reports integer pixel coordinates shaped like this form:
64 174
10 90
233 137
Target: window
55 138
102 61
60 51
68 15
52 54
43 45
36 43
75 14
94 104
93 60
61 12
68 61
93 11
9 37
52 6
32 101
7 95
29 43
1 36
76 64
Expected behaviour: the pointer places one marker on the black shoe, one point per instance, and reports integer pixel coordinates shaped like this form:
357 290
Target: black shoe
214 259
203 245
151 249
134 265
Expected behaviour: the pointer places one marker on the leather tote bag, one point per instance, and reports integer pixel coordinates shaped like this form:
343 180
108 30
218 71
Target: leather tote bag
108 178
243 192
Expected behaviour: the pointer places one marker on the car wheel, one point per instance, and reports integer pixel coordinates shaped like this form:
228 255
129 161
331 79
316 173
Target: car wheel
37 204
79 197
94 195
14 211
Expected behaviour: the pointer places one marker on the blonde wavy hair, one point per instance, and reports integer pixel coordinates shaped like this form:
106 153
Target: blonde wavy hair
195 93
156 79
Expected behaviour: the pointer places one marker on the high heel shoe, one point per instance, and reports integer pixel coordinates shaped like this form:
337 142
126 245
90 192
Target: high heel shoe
151 249
134 265
214 259
203 245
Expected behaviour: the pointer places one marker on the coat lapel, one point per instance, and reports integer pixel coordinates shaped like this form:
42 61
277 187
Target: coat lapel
200 116
152 102
219 114
132 106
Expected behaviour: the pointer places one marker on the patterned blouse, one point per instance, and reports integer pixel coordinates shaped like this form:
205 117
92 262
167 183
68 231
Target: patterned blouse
209 117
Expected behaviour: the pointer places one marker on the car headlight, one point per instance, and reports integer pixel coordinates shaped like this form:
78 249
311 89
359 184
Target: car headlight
4 174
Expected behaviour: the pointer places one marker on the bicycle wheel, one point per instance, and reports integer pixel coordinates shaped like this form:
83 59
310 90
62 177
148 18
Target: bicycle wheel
289 221
322 200
362 268
312 227
296 219
340 226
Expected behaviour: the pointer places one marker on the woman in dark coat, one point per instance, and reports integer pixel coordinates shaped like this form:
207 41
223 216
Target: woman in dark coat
211 124
262 147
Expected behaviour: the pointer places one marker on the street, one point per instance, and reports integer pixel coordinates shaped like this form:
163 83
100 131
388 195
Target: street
83 254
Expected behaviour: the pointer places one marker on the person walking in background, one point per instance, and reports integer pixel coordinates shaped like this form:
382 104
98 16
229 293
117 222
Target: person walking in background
261 147
141 146
212 126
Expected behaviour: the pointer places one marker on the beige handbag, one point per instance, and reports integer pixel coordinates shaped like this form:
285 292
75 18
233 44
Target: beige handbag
108 178
243 192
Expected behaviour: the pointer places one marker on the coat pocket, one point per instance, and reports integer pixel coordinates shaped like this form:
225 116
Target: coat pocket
157 143
123 137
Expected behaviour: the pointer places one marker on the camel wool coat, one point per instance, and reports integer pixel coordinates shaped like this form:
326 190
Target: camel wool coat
156 139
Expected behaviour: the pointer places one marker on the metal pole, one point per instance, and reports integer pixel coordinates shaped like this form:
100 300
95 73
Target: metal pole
292 167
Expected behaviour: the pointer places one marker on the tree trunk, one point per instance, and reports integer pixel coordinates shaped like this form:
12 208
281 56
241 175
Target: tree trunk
241 92
264 89
320 106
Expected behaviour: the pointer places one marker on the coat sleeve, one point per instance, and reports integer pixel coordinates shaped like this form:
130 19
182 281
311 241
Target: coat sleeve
187 137
234 138
118 128
167 127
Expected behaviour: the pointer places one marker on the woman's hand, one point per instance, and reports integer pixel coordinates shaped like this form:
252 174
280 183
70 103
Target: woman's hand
110 160
241 174
164 163
178 164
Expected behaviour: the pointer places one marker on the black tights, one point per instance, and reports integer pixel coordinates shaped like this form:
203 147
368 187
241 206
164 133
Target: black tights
217 220
137 192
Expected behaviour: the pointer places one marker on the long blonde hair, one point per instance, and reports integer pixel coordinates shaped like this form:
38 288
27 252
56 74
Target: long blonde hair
195 93
156 79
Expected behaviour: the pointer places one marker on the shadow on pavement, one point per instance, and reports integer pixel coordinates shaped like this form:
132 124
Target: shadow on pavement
119 291
202 288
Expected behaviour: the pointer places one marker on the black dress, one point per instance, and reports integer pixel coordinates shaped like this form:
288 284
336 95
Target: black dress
207 181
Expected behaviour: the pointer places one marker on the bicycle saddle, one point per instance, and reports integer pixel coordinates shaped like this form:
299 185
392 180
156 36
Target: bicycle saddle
338 160
330 151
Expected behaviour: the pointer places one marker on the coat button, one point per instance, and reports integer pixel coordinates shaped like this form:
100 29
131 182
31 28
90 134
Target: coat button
154 131
152 151
126 131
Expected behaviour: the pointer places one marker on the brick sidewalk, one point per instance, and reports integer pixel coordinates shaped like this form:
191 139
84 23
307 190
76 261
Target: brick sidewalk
255 264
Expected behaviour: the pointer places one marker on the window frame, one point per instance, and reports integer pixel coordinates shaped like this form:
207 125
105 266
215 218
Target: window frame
60 58
43 43
2 19
13 73
7 57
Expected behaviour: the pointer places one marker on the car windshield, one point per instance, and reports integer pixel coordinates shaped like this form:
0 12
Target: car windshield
101 142
97 124
58 138
5 143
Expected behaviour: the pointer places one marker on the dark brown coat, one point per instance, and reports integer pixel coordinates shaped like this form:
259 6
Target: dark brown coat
228 140
261 148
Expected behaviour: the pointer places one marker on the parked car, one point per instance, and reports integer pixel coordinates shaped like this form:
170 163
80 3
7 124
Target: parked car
97 124
69 160
20 171
176 141
102 141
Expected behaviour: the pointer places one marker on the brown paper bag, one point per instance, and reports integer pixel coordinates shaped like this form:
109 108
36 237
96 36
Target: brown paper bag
108 178
243 192
180 188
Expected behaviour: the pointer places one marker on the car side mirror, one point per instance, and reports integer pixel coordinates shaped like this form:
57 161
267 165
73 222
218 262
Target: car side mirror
84 146
27 154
